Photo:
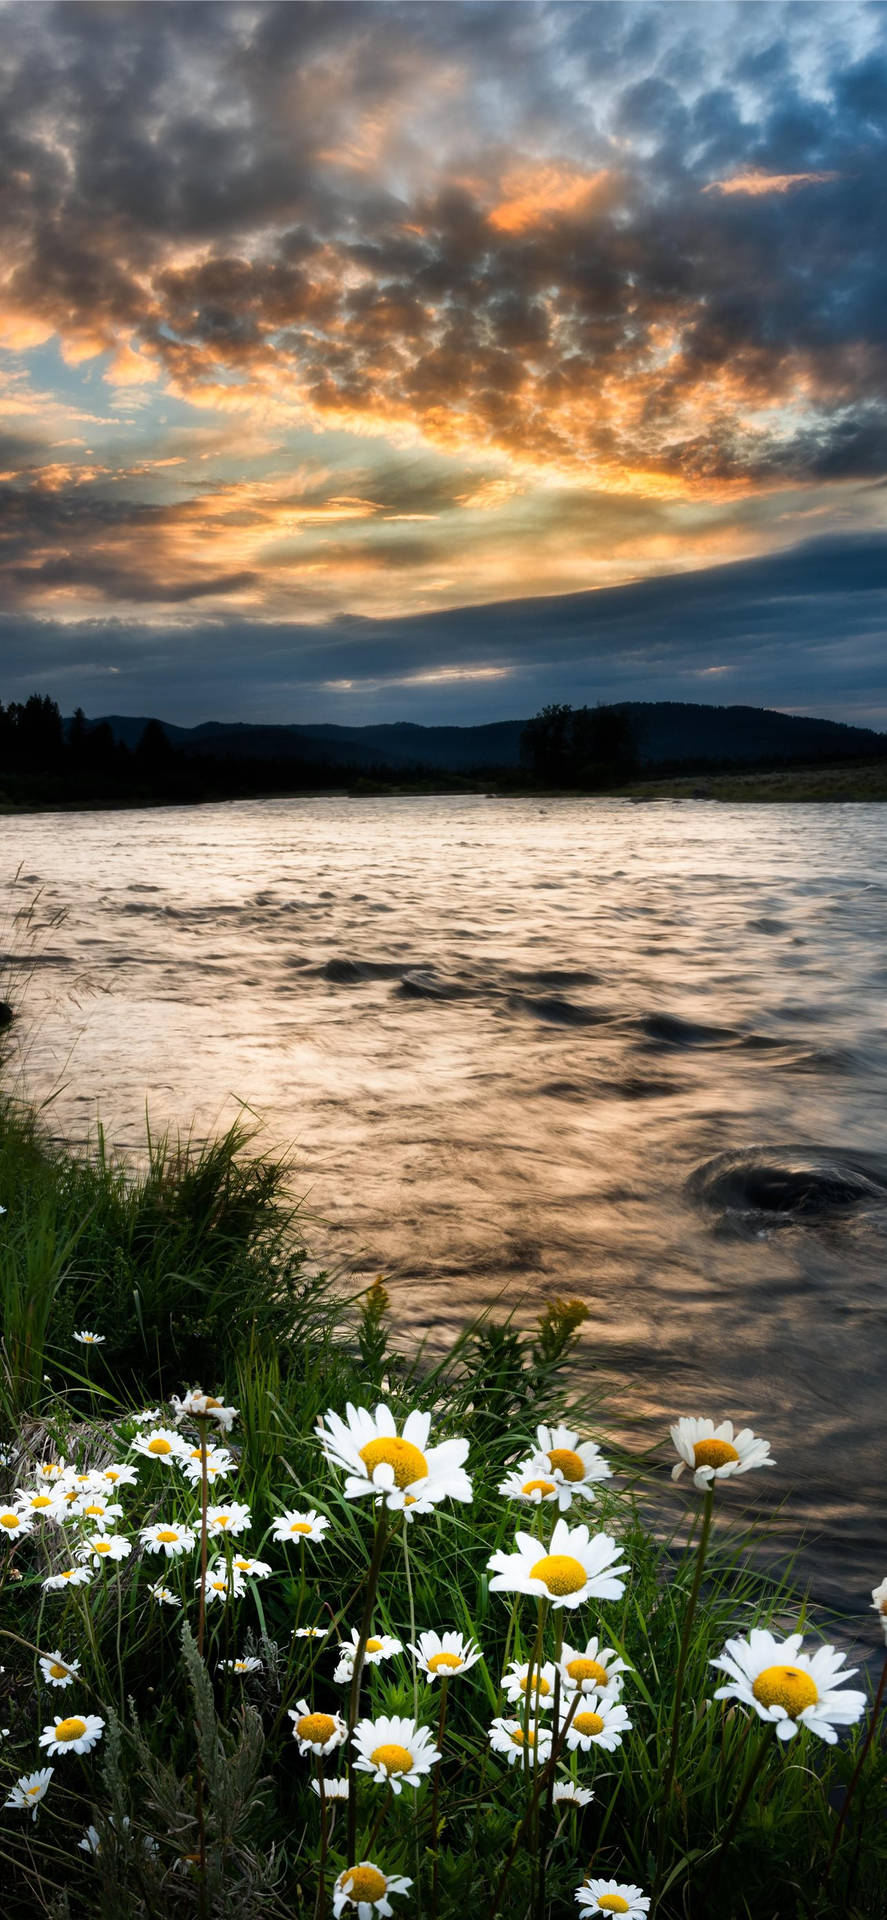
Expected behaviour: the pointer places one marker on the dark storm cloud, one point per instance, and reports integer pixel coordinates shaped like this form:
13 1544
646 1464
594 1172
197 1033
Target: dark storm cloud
801 630
379 211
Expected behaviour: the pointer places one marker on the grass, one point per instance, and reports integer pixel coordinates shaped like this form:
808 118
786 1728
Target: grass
194 1267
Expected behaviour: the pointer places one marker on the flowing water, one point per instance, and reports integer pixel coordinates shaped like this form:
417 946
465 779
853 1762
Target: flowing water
507 1039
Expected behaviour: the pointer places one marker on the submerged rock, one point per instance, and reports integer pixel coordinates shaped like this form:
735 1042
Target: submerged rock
792 1184
6 1015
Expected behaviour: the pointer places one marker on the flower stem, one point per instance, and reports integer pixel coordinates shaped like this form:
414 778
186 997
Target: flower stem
201 1629
321 1865
548 1802
738 1811
359 1653
854 1778
679 1681
435 1797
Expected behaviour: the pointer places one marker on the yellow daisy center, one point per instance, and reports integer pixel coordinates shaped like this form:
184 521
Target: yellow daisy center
408 1463
57 1671
167 1536
38 1787
523 1739
98 1507
101 1546
316 1726
393 1758
438 1661
300 1526
559 1572
70 1730
10 1521
713 1453
539 1486
537 1681
565 1461
786 1687
588 1723
364 1883
41 1500
158 1445
612 1903
583 1669
374 1646
221 1519
111 1474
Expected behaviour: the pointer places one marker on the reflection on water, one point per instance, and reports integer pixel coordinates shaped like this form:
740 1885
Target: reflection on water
504 1035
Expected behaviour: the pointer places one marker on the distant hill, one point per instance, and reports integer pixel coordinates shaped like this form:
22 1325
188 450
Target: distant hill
667 732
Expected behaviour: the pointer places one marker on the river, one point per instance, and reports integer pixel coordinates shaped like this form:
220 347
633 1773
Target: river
502 1036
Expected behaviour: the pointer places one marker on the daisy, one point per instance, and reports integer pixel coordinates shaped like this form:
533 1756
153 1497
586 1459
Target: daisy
117 1474
575 1568
716 1453
36 1502
566 1793
50 1470
394 1750
310 1633
879 1602
90 1339
575 1465
163 1595
316 1733
104 1546
378 1647
531 1482
332 1789
400 1469
516 1681
513 1739
367 1888
14 1523
441 1655
78 1734
790 1688
197 1405
219 1587
167 1536
148 1416
69 1577
231 1519
612 1896
93 1506
56 1671
30 1789
251 1569
246 1664
299 1526
219 1462
160 1444
600 1724
596 1669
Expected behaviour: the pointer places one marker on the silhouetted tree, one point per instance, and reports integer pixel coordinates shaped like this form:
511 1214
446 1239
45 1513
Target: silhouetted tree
580 747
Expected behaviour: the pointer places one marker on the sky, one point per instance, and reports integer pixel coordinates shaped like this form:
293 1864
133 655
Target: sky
428 362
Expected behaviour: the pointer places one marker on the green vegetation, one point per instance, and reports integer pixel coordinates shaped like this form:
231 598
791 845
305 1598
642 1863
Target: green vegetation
199 1799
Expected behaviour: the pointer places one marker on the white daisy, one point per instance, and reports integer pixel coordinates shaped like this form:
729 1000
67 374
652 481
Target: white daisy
379 1646
247 1663
310 1633
400 1469
50 1470
198 1405
879 1602
118 1473
716 1453
249 1568
96 1507
576 1465
230 1519
90 1339
576 1567
441 1655
101 1547
160 1444
531 1482
566 1793
219 1463
163 1595
79 1733
332 1789
395 1750
599 1724
148 1416
593 1669
316 1733
68 1577
39 1502
220 1588
517 1680
612 1896
167 1536
790 1688
29 1790
56 1671
299 1526
513 1739
366 1887
15 1523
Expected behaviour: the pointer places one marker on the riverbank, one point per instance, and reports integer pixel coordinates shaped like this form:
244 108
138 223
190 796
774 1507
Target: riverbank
195 1796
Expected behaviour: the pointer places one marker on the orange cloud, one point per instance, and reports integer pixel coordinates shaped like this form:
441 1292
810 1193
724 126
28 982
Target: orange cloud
534 194
756 182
